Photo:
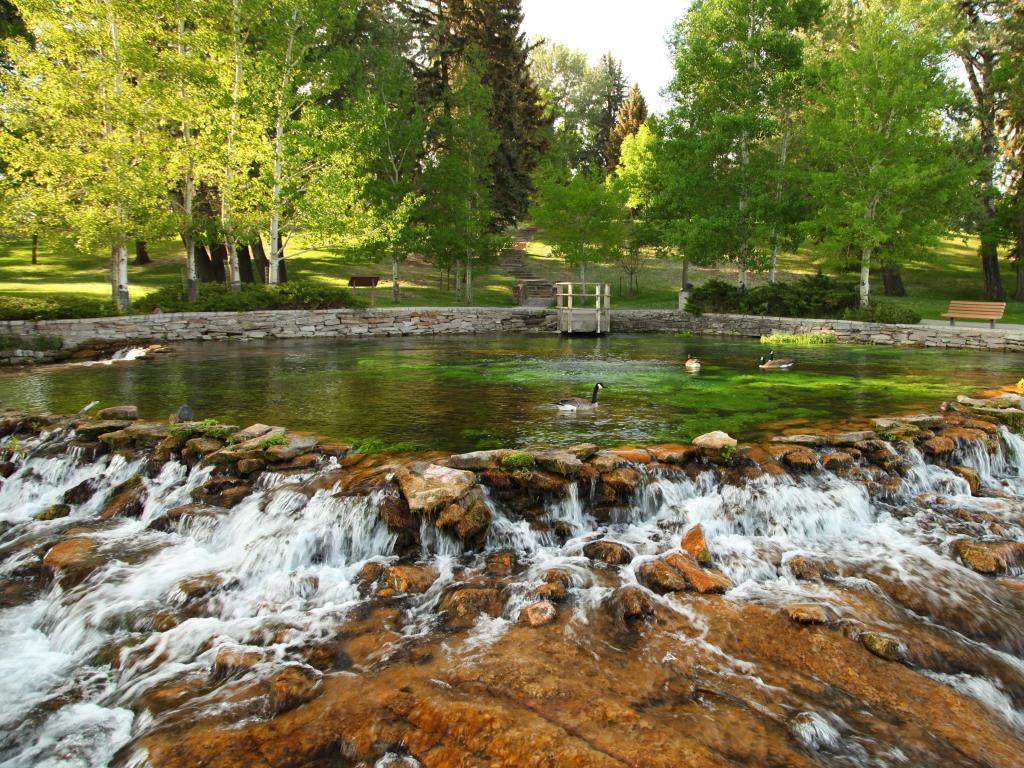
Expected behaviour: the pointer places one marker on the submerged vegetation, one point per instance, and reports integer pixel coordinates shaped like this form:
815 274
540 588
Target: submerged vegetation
799 339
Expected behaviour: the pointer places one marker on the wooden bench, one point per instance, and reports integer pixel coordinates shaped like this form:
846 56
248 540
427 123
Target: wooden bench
976 310
357 281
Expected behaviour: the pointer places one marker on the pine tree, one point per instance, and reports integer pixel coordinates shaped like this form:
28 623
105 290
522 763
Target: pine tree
610 89
632 115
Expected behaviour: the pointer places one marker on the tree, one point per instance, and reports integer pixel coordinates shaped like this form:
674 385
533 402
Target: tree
733 61
80 129
493 28
582 219
1010 123
457 209
610 90
632 115
566 83
886 173
979 50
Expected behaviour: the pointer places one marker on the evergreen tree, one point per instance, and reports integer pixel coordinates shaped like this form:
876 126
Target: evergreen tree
493 27
610 88
632 115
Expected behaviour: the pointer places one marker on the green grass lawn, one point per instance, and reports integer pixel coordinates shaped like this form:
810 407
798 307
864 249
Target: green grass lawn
952 272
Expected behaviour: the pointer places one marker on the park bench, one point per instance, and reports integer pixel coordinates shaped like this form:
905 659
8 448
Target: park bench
357 281
976 310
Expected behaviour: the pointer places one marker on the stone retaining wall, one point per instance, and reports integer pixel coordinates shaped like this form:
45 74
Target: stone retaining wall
277 324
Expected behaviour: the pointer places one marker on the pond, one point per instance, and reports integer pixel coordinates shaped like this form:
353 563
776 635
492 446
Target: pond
470 392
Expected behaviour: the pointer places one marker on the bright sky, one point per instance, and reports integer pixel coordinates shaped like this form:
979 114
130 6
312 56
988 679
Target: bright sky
634 31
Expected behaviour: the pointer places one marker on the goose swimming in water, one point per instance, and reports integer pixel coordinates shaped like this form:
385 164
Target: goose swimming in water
580 403
771 364
692 364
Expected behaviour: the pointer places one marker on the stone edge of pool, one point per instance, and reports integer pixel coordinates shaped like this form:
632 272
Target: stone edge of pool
44 341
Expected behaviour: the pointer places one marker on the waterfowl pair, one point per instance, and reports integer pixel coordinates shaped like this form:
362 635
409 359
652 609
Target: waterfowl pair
581 403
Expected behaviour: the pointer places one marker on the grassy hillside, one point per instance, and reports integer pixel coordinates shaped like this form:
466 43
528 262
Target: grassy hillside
951 272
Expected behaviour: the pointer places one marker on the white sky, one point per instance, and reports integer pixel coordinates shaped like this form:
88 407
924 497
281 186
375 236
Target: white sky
634 31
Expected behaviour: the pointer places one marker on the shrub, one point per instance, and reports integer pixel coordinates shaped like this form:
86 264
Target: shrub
799 339
55 307
215 297
714 296
884 312
275 440
517 461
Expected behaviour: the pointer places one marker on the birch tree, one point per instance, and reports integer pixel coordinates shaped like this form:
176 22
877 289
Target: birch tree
887 172
80 129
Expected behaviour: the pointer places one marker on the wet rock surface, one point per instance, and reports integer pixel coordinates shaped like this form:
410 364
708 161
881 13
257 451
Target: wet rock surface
822 600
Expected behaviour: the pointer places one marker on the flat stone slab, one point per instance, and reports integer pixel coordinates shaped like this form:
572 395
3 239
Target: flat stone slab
429 488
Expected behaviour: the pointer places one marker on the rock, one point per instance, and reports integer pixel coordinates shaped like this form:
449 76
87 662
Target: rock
553 591
850 439
808 569
251 466
293 686
467 517
72 560
226 492
334 448
462 605
89 430
558 576
197 587
989 558
695 545
174 516
610 552
808 441
714 444
127 499
201 446
921 421
629 604
297 445
412 579
500 563
120 413
54 512
883 646
605 461
7 468
477 461
254 431
81 493
232 661
560 462
658 576
678 455
541 481
702 580
370 572
623 481
938 446
808 613
633 455
538 614
837 461
429 488
970 475
395 514
801 459
583 451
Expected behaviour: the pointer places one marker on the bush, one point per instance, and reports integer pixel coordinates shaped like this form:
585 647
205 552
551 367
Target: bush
56 307
215 297
884 312
816 296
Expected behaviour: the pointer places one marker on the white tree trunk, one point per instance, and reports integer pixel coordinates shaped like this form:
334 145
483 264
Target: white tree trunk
396 291
119 275
458 281
865 276
469 277
234 273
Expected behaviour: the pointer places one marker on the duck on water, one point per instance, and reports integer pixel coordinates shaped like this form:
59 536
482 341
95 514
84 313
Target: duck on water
580 403
771 364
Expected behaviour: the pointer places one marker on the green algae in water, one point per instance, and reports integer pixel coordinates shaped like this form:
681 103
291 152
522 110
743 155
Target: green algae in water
461 393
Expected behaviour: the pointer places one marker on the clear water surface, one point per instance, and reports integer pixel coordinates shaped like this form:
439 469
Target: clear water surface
462 393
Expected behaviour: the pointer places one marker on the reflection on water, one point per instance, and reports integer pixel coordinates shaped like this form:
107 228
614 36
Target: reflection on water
460 393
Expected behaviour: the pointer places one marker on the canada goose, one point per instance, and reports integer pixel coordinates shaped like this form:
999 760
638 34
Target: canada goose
692 363
771 364
580 403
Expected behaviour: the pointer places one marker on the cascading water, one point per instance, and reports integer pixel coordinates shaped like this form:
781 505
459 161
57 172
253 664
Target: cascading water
176 601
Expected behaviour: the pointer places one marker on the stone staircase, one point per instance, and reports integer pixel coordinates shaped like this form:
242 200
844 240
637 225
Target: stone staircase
529 291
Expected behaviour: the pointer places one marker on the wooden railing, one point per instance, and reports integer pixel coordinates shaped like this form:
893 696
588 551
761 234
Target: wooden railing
583 307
